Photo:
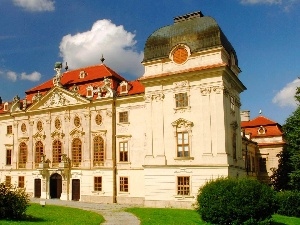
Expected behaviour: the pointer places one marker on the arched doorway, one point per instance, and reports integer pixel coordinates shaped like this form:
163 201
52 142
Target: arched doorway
55 185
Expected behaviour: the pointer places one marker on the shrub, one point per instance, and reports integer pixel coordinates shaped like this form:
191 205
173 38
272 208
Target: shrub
236 201
13 202
289 203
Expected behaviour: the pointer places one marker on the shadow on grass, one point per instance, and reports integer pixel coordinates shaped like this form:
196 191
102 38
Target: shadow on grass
28 218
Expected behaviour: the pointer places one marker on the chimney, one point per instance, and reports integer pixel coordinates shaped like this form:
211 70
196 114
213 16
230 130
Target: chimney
0 100
189 16
245 115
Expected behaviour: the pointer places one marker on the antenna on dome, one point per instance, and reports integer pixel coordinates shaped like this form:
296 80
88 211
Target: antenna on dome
102 59
66 67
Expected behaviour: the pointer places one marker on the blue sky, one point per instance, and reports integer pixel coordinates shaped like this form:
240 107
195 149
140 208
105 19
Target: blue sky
34 34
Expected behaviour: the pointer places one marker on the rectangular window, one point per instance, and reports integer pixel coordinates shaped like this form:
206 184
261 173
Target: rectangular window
21 182
183 185
234 145
181 100
123 184
97 183
123 117
123 146
183 144
262 165
7 181
9 129
8 156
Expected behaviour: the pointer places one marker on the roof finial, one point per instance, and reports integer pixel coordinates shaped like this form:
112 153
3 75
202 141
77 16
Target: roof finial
102 59
260 112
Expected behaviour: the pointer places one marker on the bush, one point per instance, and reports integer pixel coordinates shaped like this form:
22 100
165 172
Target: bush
13 202
236 201
289 203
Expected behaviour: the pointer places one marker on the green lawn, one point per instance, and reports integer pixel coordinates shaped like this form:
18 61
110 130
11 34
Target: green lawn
154 216
57 215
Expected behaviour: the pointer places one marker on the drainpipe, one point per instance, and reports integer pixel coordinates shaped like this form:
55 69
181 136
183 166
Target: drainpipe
114 150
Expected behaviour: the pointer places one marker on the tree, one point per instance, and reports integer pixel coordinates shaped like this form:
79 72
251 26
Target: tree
280 178
287 176
291 131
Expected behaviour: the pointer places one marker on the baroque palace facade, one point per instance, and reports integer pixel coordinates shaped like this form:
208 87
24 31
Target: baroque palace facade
91 135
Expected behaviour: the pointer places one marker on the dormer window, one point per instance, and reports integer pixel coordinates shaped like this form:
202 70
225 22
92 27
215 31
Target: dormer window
124 87
5 106
82 74
89 91
261 130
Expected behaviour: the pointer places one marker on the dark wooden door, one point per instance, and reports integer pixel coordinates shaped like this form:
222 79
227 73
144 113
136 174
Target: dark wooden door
37 188
75 189
55 186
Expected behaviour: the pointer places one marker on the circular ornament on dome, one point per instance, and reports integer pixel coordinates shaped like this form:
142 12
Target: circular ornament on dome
180 55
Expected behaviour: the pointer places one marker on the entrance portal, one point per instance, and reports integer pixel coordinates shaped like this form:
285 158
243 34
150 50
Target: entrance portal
55 185
75 189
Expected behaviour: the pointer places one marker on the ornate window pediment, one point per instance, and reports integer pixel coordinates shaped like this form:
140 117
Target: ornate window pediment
182 124
75 133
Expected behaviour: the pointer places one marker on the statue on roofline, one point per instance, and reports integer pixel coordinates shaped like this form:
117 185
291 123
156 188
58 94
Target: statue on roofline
57 77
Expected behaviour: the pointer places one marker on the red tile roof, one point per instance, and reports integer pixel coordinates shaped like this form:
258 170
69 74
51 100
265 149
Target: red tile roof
94 77
258 121
271 128
69 78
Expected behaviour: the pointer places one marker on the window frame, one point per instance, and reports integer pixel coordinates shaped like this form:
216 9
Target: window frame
7 181
56 152
183 187
23 154
183 145
39 151
9 129
98 119
39 126
8 156
181 100
21 182
123 151
123 117
97 183
76 149
99 151
124 184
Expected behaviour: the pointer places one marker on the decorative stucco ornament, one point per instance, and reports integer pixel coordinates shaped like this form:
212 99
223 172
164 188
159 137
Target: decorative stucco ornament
57 77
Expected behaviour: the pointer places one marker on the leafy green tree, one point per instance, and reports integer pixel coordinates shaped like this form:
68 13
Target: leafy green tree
280 179
291 130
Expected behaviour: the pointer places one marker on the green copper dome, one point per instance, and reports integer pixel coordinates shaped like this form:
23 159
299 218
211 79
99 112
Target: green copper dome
196 31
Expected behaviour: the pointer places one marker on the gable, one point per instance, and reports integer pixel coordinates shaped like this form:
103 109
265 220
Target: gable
57 97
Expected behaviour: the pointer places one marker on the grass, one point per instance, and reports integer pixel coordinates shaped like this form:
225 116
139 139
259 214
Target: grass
61 215
155 216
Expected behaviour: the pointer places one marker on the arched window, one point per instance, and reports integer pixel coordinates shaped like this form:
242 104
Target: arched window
98 150
76 152
56 152
22 155
39 151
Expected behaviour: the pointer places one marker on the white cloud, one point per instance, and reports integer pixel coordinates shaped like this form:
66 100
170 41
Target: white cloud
11 75
252 2
115 43
35 5
285 97
35 76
